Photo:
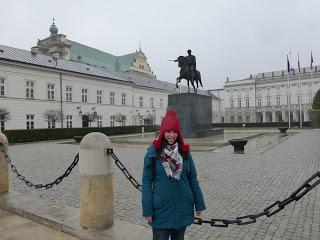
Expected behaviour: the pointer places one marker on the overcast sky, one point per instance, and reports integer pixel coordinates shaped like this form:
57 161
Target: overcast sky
228 37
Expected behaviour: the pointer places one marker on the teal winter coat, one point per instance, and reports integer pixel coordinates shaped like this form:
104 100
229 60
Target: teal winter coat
170 202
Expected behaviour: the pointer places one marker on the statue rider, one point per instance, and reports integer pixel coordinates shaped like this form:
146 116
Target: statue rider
191 61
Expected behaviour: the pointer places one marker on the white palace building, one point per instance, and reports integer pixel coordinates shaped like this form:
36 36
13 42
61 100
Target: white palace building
62 83
265 97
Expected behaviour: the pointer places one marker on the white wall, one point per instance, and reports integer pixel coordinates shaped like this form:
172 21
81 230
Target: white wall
15 100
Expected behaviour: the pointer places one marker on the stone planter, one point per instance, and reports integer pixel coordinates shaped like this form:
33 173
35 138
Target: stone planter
238 145
283 129
77 138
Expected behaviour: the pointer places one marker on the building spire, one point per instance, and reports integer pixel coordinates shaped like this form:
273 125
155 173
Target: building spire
140 46
53 29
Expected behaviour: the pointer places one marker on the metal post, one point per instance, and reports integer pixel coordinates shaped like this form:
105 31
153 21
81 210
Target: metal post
289 100
300 100
4 169
96 188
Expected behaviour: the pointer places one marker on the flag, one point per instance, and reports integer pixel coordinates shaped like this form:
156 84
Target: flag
288 64
298 63
311 60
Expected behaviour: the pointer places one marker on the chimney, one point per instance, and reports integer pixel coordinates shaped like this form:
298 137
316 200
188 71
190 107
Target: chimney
34 50
250 76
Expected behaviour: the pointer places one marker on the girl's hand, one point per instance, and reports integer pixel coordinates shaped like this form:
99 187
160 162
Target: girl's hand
149 219
198 214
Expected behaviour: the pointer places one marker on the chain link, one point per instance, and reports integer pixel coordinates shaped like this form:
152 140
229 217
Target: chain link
123 169
272 209
38 186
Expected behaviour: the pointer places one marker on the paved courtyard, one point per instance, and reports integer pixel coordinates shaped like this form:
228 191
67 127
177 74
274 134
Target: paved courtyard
233 185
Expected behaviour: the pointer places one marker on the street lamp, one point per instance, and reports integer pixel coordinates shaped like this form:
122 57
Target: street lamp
80 112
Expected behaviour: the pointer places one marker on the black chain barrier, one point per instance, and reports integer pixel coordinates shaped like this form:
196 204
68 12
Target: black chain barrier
38 186
123 169
272 209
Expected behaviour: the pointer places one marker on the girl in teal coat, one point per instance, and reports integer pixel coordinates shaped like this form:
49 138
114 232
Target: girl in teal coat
171 194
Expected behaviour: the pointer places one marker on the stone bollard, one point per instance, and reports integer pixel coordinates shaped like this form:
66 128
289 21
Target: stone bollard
96 189
4 168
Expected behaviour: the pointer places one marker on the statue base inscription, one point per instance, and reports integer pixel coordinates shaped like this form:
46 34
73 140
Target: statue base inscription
195 114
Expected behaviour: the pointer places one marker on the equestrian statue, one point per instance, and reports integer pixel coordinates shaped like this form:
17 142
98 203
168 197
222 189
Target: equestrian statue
188 71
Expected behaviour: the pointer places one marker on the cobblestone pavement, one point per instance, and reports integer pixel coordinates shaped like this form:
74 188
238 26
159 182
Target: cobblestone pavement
233 185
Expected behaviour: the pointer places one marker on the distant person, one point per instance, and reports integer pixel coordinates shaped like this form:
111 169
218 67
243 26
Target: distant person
171 195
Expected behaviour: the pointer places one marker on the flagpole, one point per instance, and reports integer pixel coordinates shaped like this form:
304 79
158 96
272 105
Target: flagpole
311 66
300 100
289 120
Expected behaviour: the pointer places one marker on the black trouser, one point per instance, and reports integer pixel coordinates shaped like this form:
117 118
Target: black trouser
163 234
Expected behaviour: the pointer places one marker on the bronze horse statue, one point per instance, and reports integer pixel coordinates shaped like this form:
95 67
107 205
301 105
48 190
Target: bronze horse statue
185 73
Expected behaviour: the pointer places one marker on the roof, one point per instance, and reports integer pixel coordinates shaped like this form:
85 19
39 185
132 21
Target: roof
27 57
91 55
24 56
99 58
283 73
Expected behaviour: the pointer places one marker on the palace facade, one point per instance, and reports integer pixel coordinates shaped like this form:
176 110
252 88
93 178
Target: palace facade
267 97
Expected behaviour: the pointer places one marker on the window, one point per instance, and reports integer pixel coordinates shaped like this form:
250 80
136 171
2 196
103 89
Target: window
247 102
123 98
112 94
84 95
232 119
259 89
99 96
123 120
99 121
310 99
247 118
268 89
1 86
1 122
69 121
112 119
288 100
231 103
259 102
240 120
268 101
278 101
50 91
161 103
140 101
29 89
51 121
30 121
68 93
239 103
151 102
299 99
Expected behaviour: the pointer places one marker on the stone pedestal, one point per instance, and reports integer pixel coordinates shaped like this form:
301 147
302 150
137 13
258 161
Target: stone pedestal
4 168
195 114
96 189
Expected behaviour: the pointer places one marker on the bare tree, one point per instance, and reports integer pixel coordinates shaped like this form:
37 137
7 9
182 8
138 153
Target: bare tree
53 115
5 114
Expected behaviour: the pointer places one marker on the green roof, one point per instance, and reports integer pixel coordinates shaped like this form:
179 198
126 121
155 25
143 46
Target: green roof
99 58
125 62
